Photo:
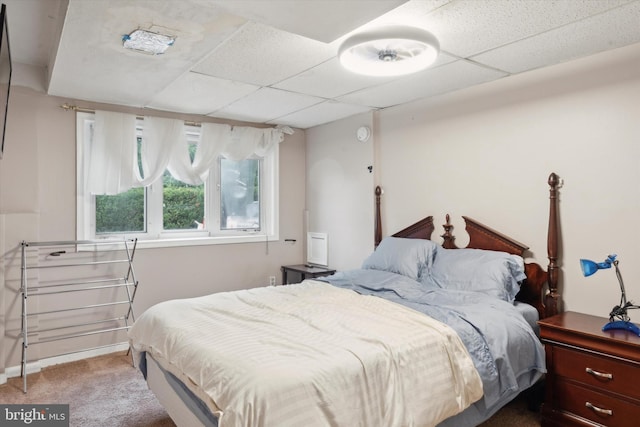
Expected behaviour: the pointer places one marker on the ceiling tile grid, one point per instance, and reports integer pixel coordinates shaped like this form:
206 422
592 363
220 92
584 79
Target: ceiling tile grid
195 93
619 27
329 80
275 61
431 82
262 55
266 104
319 114
325 20
91 63
470 27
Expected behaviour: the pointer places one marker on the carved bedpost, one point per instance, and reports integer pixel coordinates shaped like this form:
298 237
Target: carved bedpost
551 299
378 231
448 242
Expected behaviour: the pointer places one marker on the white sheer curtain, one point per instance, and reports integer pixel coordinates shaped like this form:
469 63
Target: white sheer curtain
113 154
113 166
160 139
213 139
247 141
234 143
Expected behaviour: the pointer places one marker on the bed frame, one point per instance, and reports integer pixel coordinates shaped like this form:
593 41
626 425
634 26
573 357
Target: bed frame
540 289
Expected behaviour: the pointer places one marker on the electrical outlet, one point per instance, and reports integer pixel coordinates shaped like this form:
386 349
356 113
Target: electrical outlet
272 280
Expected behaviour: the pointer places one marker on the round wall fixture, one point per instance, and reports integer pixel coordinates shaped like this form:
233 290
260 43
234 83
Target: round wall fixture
392 50
363 133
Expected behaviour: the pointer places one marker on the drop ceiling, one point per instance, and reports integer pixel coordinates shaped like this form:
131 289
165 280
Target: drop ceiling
274 62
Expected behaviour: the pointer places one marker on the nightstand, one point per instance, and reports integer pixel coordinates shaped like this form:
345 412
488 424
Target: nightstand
593 377
304 272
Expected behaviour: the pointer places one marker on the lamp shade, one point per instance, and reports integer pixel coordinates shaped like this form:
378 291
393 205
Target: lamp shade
590 267
390 50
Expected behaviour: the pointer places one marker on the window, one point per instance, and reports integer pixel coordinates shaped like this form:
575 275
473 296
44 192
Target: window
239 194
182 204
122 213
236 203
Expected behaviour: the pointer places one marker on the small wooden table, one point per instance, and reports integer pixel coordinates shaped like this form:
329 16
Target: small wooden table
305 271
592 375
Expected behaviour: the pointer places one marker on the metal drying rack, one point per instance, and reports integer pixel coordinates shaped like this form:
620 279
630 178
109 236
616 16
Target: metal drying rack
69 255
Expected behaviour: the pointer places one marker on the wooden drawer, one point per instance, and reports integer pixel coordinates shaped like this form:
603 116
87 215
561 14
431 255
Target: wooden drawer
573 398
605 373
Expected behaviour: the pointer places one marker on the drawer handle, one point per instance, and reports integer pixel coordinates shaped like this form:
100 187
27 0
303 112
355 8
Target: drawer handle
599 374
598 410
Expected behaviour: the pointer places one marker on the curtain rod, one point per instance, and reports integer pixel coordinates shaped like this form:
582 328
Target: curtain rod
69 107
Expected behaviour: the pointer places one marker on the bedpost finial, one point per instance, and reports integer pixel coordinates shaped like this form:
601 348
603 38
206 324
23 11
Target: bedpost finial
554 180
448 236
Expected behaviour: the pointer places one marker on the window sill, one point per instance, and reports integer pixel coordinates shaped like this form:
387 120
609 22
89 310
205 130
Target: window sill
186 241
204 241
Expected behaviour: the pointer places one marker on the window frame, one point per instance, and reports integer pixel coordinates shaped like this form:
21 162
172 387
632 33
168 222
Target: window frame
154 236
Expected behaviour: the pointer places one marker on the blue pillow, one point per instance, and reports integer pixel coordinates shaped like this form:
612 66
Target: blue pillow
490 272
409 257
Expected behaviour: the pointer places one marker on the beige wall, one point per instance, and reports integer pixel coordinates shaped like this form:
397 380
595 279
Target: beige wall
486 152
340 190
37 203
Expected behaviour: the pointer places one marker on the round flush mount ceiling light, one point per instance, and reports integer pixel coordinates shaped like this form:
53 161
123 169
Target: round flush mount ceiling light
392 50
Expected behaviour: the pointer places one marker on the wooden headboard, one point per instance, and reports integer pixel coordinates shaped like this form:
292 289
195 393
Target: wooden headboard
540 289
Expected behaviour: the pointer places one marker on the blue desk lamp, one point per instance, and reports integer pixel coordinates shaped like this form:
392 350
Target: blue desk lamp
618 312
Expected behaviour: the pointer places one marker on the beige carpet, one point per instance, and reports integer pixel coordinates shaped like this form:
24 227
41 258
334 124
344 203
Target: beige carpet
108 391
102 391
515 414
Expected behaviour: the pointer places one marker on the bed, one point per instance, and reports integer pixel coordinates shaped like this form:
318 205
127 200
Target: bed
422 335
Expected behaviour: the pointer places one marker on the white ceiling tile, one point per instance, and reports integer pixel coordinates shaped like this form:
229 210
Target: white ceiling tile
318 114
619 27
331 80
431 82
92 64
262 55
247 59
319 20
199 94
265 105
469 27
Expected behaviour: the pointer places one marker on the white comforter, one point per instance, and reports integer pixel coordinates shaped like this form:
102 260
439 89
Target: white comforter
310 355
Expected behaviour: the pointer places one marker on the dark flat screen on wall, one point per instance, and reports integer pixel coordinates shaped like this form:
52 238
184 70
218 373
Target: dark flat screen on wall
5 75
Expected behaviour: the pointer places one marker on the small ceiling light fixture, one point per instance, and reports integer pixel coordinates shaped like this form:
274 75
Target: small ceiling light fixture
392 50
147 42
